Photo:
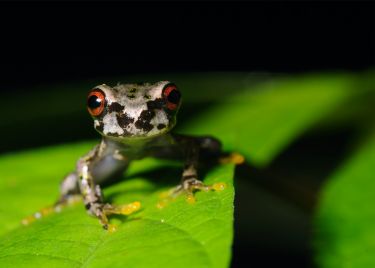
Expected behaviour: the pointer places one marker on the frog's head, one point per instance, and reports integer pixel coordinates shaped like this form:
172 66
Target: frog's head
140 110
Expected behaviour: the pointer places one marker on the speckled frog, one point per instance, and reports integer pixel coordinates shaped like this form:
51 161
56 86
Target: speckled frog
135 121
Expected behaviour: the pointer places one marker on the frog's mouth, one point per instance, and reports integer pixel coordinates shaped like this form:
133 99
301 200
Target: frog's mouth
134 139
132 132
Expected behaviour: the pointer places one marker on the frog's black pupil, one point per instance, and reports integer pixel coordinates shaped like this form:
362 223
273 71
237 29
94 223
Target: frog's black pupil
93 102
174 96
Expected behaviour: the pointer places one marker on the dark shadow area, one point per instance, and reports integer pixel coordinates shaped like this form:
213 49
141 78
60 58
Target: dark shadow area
162 177
274 206
298 172
45 132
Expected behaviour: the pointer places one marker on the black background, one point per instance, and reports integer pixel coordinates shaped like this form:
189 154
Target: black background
51 42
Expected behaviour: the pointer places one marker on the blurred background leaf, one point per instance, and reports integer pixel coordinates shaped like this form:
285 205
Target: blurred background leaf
344 224
261 121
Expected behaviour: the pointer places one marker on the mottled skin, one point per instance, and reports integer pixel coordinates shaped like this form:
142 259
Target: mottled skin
135 122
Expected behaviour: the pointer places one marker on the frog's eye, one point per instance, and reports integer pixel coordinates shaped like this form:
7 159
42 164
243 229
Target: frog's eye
172 96
95 102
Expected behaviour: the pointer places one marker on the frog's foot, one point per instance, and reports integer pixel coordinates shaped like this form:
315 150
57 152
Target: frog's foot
109 209
56 208
188 187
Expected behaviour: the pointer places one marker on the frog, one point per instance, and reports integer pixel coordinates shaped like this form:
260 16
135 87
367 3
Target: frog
135 121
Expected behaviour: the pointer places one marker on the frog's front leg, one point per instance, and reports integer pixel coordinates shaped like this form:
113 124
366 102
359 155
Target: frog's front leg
99 167
193 148
93 199
69 187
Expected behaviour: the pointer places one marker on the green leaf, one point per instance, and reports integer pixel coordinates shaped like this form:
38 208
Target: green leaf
179 235
344 223
260 121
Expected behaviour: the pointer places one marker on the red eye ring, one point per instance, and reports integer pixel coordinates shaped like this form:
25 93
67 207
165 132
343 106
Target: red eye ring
172 96
95 102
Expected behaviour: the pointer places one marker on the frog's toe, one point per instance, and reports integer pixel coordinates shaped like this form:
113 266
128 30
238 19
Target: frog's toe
103 211
233 158
191 185
125 209
188 188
